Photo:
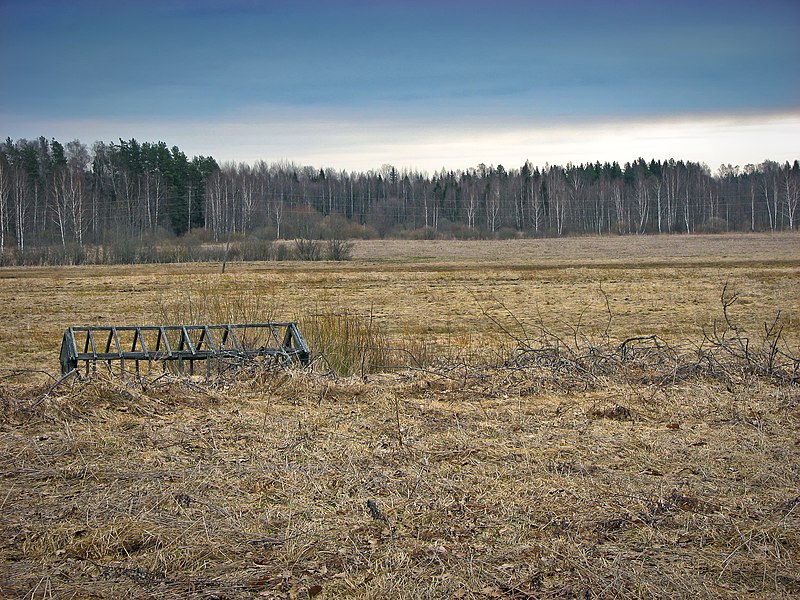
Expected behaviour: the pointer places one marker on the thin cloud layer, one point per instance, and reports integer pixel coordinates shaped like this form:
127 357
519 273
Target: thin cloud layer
428 84
362 144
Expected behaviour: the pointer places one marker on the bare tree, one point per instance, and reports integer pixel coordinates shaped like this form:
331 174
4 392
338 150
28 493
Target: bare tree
77 157
576 183
791 189
641 194
769 187
247 189
279 207
4 194
20 203
492 205
471 203
556 189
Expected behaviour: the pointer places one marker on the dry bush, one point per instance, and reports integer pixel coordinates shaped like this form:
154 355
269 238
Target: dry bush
307 249
338 249
343 341
768 355
346 342
583 356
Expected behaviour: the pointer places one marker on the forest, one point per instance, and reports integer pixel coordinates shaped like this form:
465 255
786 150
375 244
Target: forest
122 201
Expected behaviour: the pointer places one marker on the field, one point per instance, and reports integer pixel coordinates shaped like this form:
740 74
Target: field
556 419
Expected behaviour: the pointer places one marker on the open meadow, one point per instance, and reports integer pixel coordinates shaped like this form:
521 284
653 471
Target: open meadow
612 417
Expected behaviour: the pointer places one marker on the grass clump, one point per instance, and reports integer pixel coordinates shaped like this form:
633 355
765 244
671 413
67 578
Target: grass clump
221 301
344 341
348 343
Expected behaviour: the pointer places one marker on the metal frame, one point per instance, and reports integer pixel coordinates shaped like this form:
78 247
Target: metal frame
181 343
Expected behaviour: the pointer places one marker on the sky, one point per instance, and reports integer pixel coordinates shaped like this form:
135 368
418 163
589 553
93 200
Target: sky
419 84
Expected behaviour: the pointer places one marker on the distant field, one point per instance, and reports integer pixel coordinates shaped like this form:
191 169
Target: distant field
618 250
437 290
581 469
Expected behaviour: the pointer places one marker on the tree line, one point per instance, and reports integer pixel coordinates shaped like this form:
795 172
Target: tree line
74 197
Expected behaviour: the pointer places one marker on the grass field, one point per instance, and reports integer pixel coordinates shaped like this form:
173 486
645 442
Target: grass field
577 471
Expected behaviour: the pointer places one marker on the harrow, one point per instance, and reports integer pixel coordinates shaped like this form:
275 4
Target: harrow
181 345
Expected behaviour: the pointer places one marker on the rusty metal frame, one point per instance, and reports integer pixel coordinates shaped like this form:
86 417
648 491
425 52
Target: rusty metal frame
183 344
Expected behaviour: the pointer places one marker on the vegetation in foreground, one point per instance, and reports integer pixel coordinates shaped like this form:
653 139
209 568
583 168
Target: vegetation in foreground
572 471
566 462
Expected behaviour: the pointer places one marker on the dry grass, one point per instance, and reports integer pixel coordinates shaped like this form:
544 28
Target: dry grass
490 484
666 468
624 251
444 299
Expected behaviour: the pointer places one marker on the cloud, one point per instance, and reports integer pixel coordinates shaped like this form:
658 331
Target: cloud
346 141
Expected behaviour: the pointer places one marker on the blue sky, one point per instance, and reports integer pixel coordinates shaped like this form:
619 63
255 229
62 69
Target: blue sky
422 84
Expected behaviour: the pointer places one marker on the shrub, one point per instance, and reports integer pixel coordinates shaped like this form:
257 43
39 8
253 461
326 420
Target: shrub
714 225
423 233
222 301
307 249
461 232
255 249
339 250
335 226
281 251
506 233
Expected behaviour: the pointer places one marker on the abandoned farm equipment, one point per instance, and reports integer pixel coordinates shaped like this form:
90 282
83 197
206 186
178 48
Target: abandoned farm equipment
178 345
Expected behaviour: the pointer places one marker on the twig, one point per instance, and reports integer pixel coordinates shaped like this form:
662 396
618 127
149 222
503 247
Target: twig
397 420
53 387
608 309
18 372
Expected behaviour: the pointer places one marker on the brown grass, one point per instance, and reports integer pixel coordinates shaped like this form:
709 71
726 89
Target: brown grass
490 485
674 292
669 470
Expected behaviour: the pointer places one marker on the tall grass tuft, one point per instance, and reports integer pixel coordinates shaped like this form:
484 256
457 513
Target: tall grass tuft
350 343
220 302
